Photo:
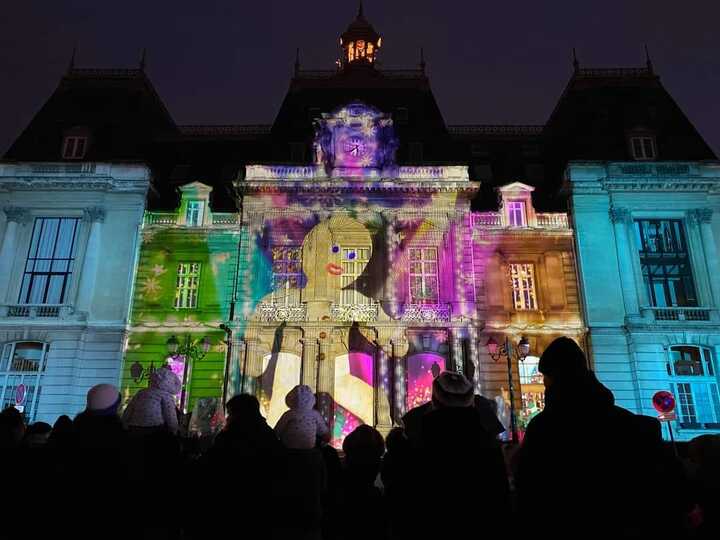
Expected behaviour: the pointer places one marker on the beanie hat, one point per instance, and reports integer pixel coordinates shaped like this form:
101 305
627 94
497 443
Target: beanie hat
103 400
451 389
563 358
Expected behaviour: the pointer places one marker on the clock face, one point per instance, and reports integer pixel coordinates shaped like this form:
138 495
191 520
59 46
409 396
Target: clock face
355 147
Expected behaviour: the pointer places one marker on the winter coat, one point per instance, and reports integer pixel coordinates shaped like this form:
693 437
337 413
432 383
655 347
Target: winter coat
300 427
586 461
155 406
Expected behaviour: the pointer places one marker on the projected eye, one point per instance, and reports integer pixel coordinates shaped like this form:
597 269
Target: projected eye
350 255
335 249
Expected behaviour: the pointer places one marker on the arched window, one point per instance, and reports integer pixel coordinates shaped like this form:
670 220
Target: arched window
21 367
694 382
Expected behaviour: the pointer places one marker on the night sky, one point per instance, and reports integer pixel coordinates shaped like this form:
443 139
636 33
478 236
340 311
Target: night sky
229 61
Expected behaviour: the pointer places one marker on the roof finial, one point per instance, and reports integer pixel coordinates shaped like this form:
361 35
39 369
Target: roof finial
422 59
648 61
297 60
576 63
360 10
71 65
143 59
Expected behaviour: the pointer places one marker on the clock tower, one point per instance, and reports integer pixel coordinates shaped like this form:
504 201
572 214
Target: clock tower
355 140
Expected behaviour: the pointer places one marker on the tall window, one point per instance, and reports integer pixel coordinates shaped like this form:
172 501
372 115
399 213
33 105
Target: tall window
22 363
522 277
49 262
695 386
188 282
423 275
643 148
287 273
516 213
665 262
74 147
354 261
194 213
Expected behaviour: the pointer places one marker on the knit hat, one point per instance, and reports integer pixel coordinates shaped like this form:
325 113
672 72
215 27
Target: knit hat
103 400
451 389
563 358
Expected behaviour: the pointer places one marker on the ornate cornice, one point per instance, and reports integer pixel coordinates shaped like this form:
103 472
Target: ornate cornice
619 215
700 215
93 214
17 214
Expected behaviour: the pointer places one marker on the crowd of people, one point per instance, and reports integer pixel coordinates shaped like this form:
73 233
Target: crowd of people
585 468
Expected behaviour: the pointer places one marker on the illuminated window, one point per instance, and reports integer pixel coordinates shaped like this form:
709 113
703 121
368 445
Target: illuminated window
287 273
522 277
643 148
695 386
516 213
360 49
370 50
354 261
50 260
423 275
665 262
74 147
194 213
351 51
22 363
188 282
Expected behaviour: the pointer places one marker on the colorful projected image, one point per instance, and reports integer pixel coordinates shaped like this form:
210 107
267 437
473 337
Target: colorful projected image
422 369
354 376
281 373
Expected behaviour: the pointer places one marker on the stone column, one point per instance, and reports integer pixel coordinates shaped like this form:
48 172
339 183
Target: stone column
236 370
399 350
253 368
95 216
326 380
15 216
392 243
309 362
621 218
702 217
383 391
457 353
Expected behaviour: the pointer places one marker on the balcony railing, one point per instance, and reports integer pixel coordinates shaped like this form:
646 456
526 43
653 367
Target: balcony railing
224 219
426 312
279 313
487 219
552 221
160 218
680 313
354 312
35 311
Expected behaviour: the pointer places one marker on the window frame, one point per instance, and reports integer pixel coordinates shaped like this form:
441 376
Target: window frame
641 141
518 293
7 352
423 275
692 389
74 140
34 245
187 285
345 285
292 293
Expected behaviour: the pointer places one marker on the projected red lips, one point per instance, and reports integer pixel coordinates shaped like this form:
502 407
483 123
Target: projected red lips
334 269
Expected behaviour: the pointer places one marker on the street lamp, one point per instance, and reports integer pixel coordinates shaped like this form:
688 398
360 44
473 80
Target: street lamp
510 353
192 351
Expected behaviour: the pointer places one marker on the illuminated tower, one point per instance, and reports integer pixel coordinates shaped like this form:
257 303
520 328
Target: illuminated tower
360 42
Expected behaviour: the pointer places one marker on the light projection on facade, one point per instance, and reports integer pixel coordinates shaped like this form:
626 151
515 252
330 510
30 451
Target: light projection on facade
354 275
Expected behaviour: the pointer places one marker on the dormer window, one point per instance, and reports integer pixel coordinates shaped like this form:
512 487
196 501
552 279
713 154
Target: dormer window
643 147
74 146
194 213
516 214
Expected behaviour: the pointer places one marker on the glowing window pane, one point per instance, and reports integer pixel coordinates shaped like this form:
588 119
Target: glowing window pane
423 276
522 277
354 260
287 273
187 285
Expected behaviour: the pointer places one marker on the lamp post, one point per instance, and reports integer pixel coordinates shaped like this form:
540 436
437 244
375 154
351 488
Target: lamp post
192 351
510 353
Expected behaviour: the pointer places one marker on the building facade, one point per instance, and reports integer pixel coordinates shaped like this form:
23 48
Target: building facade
647 241
66 270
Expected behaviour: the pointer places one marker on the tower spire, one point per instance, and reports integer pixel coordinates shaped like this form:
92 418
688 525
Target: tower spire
143 59
71 64
648 61
576 63
360 10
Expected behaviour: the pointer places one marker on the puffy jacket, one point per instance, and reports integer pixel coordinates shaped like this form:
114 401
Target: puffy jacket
155 406
299 427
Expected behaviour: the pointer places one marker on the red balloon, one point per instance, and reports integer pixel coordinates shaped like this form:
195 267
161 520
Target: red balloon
663 401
